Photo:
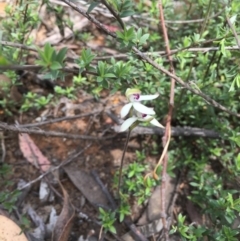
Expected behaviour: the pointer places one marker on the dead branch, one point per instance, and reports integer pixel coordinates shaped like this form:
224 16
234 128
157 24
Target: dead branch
15 128
72 158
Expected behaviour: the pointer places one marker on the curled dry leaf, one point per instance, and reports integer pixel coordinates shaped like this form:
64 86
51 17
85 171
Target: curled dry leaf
10 231
65 220
32 153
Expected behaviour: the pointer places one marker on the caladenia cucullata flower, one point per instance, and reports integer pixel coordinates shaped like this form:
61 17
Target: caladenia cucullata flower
134 97
137 111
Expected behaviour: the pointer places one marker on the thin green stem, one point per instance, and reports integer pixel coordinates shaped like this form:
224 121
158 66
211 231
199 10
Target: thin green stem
121 165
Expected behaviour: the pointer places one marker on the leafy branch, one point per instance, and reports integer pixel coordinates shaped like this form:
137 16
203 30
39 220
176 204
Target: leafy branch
143 56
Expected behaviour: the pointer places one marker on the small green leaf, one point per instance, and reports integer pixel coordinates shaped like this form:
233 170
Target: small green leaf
131 174
101 68
105 84
99 79
87 56
121 217
92 6
61 55
55 65
222 47
109 75
112 229
3 59
101 210
148 182
237 161
127 13
43 58
144 38
194 184
48 51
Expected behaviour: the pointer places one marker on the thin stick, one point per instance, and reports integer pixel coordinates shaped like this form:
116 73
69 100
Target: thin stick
234 31
90 18
119 56
55 168
14 128
112 11
38 68
167 137
122 159
51 121
104 189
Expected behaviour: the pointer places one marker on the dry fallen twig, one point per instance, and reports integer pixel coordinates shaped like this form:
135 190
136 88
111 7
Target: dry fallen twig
72 158
14 128
65 118
176 131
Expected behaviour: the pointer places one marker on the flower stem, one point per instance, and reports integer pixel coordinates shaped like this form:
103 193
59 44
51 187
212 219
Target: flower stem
122 159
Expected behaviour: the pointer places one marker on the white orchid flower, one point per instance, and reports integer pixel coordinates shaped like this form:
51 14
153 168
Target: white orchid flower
139 117
134 96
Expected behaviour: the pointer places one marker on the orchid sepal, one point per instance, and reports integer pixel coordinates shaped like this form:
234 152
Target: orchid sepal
156 123
143 109
125 110
132 122
148 97
128 123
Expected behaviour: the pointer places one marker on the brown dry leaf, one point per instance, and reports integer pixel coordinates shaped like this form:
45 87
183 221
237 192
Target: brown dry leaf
87 185
194 213
65 220
9 231
32 153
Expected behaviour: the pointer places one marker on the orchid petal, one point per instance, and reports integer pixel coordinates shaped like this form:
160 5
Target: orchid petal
156 123
127 123
143 109
125 110
148 97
